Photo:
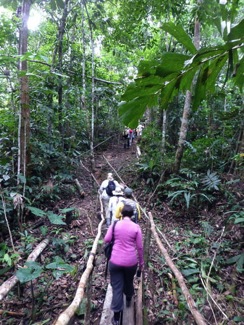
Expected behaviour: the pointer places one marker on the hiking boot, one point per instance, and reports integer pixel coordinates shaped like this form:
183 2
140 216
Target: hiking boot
114 322
128 302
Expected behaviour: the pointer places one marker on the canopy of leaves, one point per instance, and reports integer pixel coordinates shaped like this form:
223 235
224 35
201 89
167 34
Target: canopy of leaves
161 80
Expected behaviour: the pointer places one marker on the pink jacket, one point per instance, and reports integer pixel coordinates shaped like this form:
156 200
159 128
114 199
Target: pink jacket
128 246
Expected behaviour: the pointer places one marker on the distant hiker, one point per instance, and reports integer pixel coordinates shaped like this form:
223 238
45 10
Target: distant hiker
131 137
127 200
135 133
139 129
114 201
127 256
106 191
126 137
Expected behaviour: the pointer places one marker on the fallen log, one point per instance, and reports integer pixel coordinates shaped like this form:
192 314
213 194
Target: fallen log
81 191
66 317
139 309
138 152
11 313
191 304
13 280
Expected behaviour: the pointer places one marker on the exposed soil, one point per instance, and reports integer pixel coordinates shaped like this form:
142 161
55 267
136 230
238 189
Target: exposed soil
74 241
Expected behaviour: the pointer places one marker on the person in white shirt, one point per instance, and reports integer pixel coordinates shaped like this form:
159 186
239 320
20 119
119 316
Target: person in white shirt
113 202
103 192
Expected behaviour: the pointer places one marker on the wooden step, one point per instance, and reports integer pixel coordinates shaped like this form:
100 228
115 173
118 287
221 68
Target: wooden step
107 314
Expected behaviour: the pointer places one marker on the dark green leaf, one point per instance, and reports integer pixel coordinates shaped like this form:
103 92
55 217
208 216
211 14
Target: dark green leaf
188 272
236 32
179 33
37 212
55 218
132 111
31 271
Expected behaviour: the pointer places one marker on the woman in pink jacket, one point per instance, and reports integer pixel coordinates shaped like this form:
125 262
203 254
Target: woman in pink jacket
127 256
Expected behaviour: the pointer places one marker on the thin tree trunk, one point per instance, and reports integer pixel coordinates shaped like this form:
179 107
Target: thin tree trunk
61 32
164 131
24 115
92 92
183 131
187 107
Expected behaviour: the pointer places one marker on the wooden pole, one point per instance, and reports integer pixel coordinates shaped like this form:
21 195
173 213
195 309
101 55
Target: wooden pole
191 304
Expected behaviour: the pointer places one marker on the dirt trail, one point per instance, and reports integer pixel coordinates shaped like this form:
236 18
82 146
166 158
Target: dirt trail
74 241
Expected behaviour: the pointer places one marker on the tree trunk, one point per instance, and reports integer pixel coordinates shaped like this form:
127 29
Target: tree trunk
164 131
24 116
187 107
183 131
92 92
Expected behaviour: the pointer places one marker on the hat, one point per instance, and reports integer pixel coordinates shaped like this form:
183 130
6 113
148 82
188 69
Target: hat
110 176
118 191
128 191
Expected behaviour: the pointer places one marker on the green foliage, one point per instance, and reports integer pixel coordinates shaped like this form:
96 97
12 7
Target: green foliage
238 260
30 272
53 217
27 241
7 257
174 72
59 267
33 270
211 181
188 190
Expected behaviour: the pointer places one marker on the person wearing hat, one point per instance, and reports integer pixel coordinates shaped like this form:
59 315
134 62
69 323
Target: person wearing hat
127 200
114 201
104 194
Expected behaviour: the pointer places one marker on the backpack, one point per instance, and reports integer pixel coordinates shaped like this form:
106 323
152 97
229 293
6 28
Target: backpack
110 188
134 206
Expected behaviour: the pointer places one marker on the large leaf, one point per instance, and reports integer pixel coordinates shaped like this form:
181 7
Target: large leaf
179 33
188 272
55 218
175 72
171 63
59 267
207 78
37 212
142 87
31 271
166 94
237 32
133 110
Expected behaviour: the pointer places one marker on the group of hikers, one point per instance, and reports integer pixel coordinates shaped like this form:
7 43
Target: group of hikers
130 134
122 214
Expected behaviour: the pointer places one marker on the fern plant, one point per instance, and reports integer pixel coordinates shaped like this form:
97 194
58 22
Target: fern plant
211 181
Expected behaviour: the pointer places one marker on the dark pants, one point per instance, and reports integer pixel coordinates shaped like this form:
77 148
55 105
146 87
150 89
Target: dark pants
121 278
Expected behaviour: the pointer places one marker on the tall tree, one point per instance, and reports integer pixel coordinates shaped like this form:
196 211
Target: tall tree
187 105
24 116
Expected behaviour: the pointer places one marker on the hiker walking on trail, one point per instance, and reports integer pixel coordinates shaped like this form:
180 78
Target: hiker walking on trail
131 137
126 259
126 137
127 200
114 201
106 191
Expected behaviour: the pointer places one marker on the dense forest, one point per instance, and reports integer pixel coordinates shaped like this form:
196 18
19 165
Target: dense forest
73 74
